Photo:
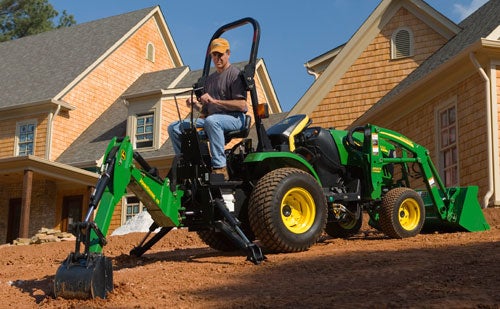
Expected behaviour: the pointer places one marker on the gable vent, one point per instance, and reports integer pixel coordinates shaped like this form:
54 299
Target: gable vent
401 43
150 52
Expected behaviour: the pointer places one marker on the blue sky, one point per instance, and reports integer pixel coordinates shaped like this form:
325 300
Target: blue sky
292 32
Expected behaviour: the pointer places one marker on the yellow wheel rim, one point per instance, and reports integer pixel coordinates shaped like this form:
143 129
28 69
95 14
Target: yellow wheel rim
298 210
409 214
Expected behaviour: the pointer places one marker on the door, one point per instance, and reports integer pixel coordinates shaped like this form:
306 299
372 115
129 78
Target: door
71 211
14 219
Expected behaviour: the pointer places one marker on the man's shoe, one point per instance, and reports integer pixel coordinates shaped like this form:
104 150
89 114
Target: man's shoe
221 170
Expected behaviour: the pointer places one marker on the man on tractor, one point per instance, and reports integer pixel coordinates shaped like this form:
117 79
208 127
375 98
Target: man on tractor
222 106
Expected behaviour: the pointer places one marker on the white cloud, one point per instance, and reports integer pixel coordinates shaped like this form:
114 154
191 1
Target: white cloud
465 10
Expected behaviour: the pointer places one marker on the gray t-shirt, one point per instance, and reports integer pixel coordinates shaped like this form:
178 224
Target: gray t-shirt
227 85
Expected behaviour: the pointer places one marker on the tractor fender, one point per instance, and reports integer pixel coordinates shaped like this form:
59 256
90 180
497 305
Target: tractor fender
279 159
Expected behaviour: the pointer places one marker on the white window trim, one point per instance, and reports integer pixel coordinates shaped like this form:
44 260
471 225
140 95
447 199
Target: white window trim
140 108
144 116
124 208
394 55
16 138
452 102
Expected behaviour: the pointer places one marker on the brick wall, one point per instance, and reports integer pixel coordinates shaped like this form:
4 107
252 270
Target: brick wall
374 74
42 209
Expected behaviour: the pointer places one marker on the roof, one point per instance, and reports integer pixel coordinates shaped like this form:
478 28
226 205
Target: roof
36 68
478 25
155 81
91 144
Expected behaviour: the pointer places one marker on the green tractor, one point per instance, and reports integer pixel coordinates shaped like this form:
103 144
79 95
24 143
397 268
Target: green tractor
296 182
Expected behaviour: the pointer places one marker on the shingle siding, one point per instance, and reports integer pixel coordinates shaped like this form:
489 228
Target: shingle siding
8 134
374 74
420 126
106 83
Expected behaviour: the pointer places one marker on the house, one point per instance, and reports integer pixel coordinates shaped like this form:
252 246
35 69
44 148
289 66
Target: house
66 93
410 69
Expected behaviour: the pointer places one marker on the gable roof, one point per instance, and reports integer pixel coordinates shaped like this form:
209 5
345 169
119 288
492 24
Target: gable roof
349 53
39 68
155 82
91 144
475 27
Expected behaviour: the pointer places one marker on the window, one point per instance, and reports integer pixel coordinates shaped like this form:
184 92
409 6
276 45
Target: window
150 52
132 207
402 43
25 138
143 122
144 130
448 152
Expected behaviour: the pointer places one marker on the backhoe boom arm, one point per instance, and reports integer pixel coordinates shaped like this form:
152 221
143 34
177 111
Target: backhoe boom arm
119 172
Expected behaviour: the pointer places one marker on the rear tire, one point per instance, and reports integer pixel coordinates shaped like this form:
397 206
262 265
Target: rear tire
287 210
402 213
217 240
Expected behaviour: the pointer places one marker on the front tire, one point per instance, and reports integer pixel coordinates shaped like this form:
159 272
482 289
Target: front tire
287 210
402 213
344 229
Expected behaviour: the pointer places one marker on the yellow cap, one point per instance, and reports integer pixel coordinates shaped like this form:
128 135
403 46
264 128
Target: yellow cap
219 45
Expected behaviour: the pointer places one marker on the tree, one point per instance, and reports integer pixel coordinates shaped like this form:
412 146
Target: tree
20 18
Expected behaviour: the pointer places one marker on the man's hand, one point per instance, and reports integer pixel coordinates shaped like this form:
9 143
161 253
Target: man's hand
207 98
197 105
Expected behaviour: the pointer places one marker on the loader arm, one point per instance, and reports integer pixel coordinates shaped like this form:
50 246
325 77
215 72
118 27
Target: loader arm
454 207
420 155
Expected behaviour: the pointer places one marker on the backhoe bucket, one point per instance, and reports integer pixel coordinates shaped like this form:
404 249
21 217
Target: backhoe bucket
463 214
84 278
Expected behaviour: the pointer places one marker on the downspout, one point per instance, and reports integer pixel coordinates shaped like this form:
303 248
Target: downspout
310 71
50 126
489 129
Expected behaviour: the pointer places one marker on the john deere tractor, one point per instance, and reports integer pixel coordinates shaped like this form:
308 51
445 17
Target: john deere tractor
291 184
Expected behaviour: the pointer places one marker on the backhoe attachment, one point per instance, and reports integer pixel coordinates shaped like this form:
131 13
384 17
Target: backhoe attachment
87 273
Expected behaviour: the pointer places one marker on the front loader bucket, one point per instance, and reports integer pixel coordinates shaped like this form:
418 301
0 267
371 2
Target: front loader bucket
463 214
84 278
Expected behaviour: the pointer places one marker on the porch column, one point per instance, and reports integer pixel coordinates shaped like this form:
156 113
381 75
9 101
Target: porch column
24 223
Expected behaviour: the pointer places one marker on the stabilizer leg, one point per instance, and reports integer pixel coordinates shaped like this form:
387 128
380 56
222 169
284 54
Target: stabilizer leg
143 247
232 229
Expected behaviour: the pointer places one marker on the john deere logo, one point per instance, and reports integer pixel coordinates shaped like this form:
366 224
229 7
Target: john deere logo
123 155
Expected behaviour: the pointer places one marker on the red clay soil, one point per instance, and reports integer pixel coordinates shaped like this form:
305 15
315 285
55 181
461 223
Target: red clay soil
440 270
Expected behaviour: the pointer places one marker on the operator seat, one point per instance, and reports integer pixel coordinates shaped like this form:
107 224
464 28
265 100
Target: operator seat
240 133
229 135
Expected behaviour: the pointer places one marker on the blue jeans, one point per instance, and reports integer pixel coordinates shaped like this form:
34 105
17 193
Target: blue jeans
214 126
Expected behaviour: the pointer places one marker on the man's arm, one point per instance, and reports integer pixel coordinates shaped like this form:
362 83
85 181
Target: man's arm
237 105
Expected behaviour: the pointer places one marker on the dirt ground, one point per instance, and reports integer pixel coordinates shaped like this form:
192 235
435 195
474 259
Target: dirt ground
439 270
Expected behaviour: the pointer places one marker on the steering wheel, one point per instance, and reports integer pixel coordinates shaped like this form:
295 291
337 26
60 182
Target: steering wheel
350 139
